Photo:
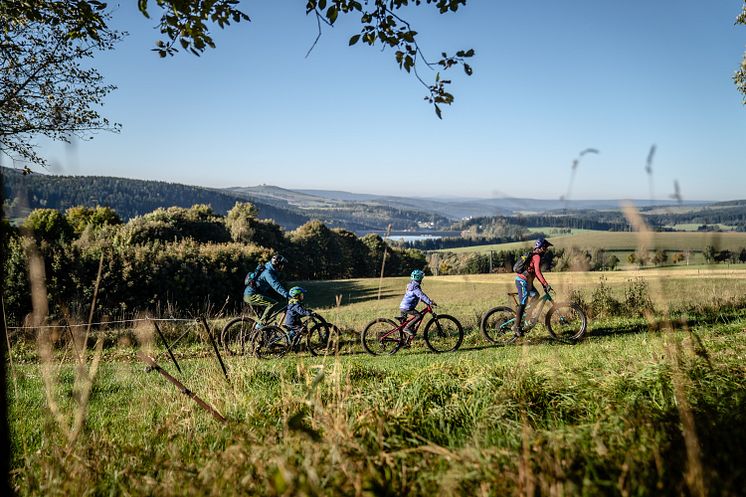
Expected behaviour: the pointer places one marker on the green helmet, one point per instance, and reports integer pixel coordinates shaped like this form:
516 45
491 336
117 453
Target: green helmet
296 291
417 275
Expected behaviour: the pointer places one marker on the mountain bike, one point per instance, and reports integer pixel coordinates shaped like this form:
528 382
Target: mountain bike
238 332
564 321
321 338
443 333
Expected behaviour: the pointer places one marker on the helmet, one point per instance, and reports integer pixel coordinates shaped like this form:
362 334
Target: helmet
417 275
278 261
541 242
296 291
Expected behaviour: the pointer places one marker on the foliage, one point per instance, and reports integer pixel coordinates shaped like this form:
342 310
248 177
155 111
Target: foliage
81 217
238 221
739 78
179 256
198 223
382 24
46 88
48 225
637 299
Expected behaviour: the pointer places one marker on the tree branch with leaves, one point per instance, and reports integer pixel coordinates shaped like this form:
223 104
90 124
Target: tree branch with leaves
739 78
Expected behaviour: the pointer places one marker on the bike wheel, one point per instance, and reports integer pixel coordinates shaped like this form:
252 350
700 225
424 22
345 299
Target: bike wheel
382 336
270 341
322 339
443 334
236 335
497 325
566 322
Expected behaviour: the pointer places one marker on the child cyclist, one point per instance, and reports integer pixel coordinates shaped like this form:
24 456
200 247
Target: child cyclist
412 297
295 311
524 280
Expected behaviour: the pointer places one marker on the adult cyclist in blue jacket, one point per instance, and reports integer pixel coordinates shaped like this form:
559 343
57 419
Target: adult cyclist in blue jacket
267 287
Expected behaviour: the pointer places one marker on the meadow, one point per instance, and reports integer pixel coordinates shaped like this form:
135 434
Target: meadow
652 402
626 242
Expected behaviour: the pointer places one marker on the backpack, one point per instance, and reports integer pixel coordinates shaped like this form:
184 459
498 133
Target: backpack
252 277
523 262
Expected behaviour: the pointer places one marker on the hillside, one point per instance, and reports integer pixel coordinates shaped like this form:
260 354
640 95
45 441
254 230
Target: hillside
356 212
129 197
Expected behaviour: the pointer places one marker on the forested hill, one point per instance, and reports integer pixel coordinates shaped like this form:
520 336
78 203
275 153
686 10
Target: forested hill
129 197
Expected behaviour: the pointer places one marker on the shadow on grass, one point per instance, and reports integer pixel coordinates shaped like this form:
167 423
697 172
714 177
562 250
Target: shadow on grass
324 293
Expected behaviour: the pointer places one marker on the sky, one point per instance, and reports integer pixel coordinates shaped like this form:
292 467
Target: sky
550 79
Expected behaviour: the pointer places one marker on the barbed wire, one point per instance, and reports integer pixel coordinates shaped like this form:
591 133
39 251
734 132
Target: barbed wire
83 325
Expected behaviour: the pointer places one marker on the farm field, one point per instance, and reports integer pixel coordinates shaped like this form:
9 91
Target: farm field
612 241
636 408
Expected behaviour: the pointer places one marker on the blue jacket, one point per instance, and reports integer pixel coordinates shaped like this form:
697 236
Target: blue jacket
413 296
267 283
295 311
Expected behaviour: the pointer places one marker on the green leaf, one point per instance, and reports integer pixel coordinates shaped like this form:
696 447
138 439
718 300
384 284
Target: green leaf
354 39
143 6
332 13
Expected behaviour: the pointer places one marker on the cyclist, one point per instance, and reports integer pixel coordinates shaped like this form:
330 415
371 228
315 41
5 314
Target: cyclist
265 286
295 311
412 297
524 280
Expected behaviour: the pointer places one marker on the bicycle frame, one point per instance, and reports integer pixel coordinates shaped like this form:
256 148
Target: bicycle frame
387 336
538 304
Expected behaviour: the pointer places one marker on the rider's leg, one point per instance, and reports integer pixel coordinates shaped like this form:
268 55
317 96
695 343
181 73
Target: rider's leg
523 295
260 302
409 328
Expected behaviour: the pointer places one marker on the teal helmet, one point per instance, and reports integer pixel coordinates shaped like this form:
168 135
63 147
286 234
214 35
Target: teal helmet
296 291
417 275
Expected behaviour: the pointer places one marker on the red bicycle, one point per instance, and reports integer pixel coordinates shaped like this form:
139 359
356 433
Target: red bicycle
443 333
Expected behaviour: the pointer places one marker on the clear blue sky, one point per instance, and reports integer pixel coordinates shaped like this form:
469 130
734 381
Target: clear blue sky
550 79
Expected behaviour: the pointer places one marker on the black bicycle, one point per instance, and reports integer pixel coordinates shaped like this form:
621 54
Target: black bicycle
321 338
564 321
238 333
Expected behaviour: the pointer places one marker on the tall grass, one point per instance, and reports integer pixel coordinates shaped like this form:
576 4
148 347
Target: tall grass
601 417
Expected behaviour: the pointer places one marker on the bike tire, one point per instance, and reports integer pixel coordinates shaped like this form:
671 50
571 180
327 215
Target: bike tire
270 342
236 335
497 325
566 322
444 333
381 336
322 339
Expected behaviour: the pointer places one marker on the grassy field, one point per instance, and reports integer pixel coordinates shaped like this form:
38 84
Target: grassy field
627 242
641 407
694 226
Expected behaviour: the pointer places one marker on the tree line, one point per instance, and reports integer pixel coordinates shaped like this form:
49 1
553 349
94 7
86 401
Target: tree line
190 258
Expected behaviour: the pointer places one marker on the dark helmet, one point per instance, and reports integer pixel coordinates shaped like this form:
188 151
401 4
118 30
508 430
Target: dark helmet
541 242
278 261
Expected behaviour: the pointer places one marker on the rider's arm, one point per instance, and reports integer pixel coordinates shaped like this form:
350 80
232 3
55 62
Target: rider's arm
536 262
276 285
304 312
421 295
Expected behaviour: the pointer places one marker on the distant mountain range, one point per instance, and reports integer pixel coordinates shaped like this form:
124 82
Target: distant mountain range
289 208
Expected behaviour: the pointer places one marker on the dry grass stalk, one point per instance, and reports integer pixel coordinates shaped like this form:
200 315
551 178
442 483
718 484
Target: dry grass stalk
694 470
